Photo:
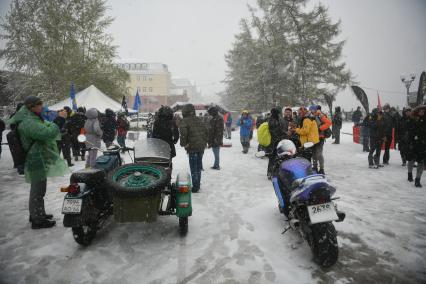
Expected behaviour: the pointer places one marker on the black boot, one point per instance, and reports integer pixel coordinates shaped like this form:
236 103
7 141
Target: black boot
410 177
45 223
76 158
417 182
69 162
47 216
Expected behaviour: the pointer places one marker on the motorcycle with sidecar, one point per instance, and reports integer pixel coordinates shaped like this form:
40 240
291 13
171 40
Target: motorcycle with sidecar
134 192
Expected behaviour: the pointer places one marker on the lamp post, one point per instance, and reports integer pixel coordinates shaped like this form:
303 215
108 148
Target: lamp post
407 82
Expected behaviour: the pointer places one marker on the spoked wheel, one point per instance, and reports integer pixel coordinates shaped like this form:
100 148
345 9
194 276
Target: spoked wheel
324 244
138 179
183 226
84 235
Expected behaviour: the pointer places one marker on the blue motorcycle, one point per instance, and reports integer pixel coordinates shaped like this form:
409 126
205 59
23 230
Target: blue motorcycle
306 199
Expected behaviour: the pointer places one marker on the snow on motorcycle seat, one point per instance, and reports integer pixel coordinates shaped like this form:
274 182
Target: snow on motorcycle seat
91 177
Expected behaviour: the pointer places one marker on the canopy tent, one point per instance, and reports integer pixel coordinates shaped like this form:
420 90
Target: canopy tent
91 97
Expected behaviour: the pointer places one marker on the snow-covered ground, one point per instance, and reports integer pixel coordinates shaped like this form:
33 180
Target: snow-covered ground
234 233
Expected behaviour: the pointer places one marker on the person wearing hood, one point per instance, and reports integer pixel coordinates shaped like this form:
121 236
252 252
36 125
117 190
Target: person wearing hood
377 137
245 123
416 151
13 126
389 125
165 128
109 127
337 122
38 138
74 125
123 126
64 144
93 136
215 140
278 131
193 137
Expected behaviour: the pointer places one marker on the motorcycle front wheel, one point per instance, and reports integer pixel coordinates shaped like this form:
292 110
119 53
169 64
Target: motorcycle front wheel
84 235
324 244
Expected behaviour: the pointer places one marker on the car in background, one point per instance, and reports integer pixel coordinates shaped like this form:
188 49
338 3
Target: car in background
140 121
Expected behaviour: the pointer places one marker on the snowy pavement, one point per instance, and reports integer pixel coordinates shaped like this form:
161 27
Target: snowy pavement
234 233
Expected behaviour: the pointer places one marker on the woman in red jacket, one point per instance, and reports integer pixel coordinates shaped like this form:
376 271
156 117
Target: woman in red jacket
324 124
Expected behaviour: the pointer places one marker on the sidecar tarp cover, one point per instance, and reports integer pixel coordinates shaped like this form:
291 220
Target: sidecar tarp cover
152 150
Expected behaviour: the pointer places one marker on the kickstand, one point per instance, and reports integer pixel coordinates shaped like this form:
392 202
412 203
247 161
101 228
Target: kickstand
285 230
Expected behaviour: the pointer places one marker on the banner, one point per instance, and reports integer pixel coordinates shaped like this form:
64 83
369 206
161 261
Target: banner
362 97
422 89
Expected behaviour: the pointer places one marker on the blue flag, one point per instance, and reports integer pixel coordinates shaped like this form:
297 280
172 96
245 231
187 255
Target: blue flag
72 96
137 104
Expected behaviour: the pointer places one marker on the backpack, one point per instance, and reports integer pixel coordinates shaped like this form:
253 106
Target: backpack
16 149
327 133
263 135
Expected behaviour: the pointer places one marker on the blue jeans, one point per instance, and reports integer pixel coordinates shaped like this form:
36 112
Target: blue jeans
195 165
216 156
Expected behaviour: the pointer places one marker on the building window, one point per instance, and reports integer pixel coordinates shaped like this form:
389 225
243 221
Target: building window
150 78
144 66
144 89
144 78
150 89
138 77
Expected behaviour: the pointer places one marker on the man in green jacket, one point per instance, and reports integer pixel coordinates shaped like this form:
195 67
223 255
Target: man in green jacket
38 138
193 137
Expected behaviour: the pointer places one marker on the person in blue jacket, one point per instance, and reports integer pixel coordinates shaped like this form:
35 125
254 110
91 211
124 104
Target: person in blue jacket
245 124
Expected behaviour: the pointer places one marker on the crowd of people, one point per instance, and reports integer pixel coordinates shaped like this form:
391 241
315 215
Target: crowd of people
408 132
43 138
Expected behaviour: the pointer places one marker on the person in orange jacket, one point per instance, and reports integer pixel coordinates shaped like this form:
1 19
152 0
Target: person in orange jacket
324 124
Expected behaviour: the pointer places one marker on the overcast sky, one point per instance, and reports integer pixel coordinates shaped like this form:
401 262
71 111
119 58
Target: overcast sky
384 39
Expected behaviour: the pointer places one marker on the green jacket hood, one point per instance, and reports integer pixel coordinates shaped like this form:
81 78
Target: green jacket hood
21 115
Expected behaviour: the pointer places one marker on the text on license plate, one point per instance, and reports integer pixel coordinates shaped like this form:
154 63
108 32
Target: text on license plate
322 213
72 206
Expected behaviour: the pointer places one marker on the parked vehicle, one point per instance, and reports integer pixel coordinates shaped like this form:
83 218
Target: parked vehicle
306 198
139 122
133 192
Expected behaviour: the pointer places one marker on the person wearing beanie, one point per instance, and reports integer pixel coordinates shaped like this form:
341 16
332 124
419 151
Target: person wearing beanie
38 138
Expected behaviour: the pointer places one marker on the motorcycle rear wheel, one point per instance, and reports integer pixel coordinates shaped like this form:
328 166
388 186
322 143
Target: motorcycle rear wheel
84 235
183 226
324 244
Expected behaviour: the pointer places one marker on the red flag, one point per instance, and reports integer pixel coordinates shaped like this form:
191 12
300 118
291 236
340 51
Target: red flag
379 104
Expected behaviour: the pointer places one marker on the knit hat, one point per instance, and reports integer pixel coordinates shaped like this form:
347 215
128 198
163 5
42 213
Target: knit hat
312 108
32 101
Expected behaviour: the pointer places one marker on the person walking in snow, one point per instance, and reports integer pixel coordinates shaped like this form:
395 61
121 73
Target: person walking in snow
193 137
123 126
416 151
94 135
165 128
245 123
337 124
38 138
377 137
215 140
402 134
356 116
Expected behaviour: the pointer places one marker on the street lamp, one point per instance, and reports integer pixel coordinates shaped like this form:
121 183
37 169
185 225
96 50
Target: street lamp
407 82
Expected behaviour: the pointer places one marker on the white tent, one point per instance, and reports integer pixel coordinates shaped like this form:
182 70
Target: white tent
91 97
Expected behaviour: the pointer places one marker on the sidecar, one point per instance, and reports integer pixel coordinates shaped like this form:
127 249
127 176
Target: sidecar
144 189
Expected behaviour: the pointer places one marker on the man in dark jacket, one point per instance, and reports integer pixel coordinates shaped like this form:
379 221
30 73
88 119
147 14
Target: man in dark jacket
109 127
402 134
377 136
13 126
74 125
416 151
278 133
193 137
64 144
215 135
337 125
389 125
2 128
165 128
365 133
356 116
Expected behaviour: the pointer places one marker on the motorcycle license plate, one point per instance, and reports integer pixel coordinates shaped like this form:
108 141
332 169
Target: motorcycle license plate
72 206
322 213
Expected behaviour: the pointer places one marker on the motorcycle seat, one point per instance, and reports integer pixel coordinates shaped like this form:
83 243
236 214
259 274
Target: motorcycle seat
91 177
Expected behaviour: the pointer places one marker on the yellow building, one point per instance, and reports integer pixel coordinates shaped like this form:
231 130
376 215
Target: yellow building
153 80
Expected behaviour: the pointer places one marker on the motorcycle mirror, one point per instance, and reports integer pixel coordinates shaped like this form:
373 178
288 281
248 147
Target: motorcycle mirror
308 145
260 154
81 138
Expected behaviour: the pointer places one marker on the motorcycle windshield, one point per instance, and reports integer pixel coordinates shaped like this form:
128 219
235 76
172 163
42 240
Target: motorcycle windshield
152 149
297 168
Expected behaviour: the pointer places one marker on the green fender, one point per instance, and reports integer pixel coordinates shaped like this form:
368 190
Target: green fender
183 200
